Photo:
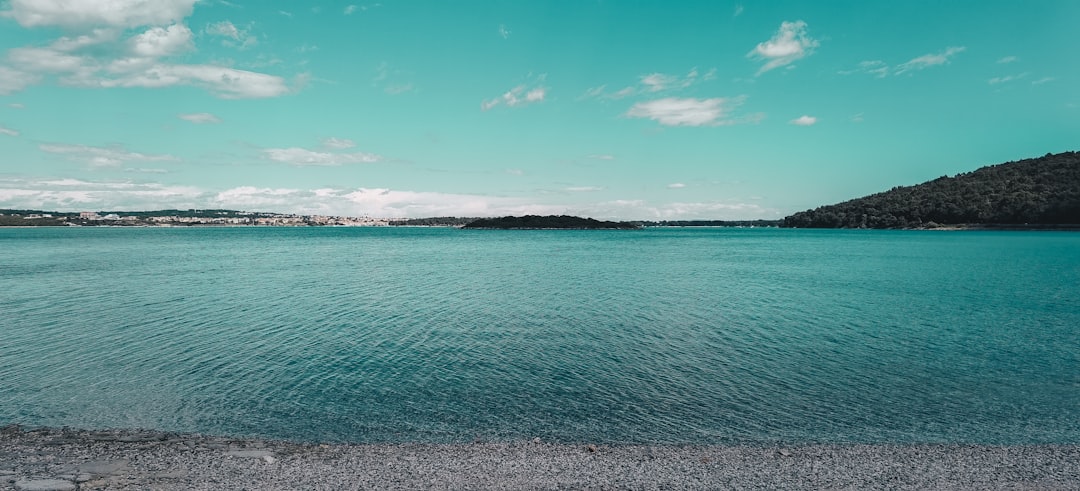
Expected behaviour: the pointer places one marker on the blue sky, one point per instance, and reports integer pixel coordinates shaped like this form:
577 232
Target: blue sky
610 109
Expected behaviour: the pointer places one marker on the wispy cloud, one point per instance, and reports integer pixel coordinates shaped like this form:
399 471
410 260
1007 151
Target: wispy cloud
652 83
338 143
929 60
676 185
790 43
349 10
673 111
583 189
880 69
200 118
113 156
303 157
1042 80
1008 59
602 157
804 120
1007 78
235 36
739 9
504 31
877 68
518 96
4 130
390 80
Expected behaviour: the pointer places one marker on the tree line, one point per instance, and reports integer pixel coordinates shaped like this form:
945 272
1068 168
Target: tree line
1038 191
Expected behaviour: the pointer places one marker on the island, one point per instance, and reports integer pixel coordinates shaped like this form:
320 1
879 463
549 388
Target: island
560 222
1037 193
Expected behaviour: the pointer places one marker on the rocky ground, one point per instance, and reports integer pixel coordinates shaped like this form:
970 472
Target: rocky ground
62 459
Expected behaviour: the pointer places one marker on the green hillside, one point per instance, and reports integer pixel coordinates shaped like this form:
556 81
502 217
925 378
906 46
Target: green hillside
1034 192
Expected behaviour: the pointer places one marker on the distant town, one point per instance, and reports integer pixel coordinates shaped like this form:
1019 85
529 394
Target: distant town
233 218
181 218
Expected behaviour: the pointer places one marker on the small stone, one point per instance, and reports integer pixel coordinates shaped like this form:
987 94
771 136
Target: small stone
269 459
44 485
7 473
248 454
104 468
81 478
785 452
180 474
590 447
536 440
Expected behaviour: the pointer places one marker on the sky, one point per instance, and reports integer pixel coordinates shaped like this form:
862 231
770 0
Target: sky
630 110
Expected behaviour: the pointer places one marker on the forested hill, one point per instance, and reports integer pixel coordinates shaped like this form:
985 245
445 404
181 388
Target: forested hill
547 222
1035 192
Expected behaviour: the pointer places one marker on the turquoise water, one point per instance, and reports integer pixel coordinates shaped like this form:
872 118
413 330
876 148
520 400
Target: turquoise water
435 335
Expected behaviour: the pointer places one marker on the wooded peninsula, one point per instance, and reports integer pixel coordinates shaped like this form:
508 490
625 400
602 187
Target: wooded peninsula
1042 192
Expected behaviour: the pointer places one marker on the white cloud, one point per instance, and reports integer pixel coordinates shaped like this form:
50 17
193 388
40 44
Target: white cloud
113 156
738 10
338 143
81 195
518 96
656 82
349 10
158 41
143 69
250 198
393 204
1042 80
199 118
16 105
804 120
91 13
674 111
47 60
877 68
8 131
929 60
224 28
1008 59
651 83
226 83
857 118
236 37
1007 78
12 81
676 185
624 92
398 89
515 172
602 157
583 189
303 157
78 195
504 32
790 43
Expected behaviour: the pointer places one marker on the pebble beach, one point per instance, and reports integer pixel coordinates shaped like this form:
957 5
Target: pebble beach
66 459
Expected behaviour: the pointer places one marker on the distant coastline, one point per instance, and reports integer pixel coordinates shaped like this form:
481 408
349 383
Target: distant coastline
235 218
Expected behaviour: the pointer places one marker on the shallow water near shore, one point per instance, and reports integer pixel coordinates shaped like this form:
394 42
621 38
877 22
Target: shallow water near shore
696 336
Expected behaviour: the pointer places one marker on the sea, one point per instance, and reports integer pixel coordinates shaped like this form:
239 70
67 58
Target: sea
679 336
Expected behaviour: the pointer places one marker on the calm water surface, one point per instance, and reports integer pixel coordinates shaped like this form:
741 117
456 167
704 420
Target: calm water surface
434 335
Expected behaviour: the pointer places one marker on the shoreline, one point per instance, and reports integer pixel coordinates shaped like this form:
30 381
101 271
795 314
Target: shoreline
61 458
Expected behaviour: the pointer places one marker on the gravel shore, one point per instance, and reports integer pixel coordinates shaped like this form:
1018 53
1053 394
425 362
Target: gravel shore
63 459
